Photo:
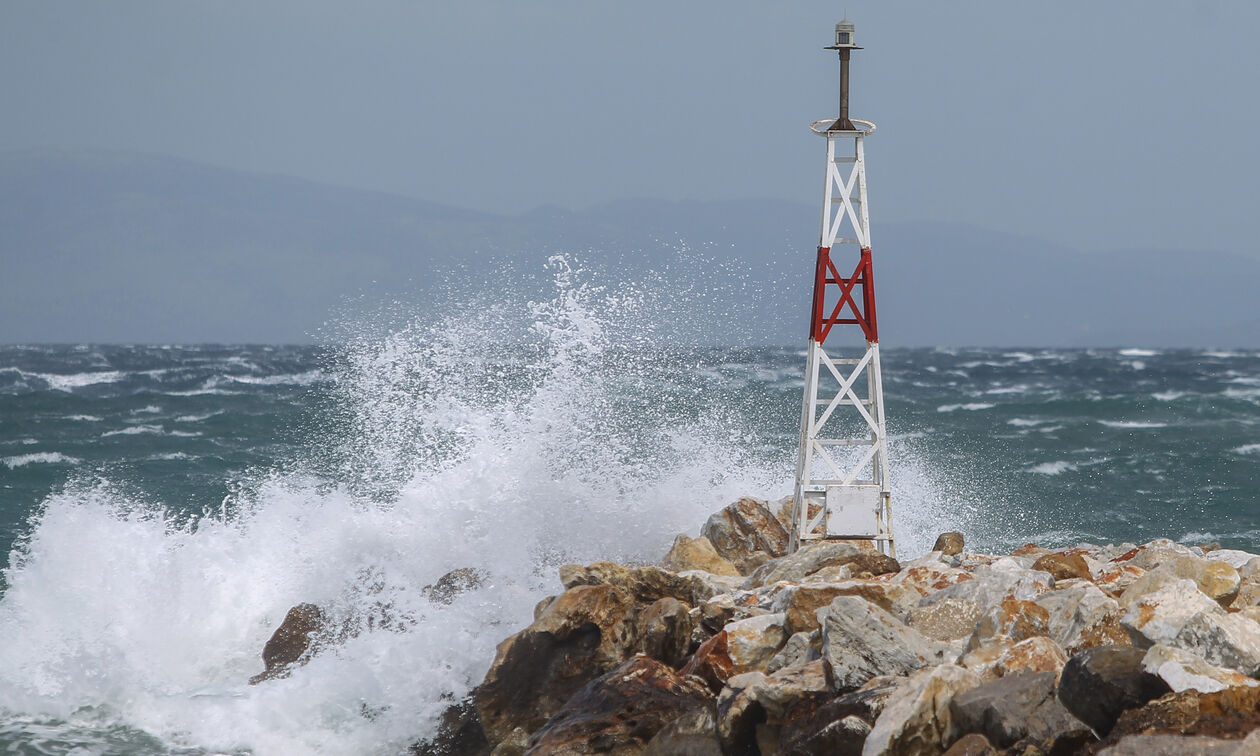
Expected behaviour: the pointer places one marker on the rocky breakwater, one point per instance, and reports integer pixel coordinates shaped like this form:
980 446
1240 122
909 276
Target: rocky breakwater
731 646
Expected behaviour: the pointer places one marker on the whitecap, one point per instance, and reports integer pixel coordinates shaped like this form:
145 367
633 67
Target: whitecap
197 418
134 431
83 418
296 379
1168 396
1022 423
1134 424
73 381
1052 468
45 458
151 409
970 407
1247 449
1138 353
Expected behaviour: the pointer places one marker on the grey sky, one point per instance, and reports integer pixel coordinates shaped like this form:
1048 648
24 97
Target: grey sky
1100 125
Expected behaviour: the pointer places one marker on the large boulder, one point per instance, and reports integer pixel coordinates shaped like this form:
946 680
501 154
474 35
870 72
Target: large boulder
1064 566
991 583
1158 616
1216 580
712 662
664 631
825 725
293 643
698 554
1227 640
643 584
1082 616
1179 745
1036 654
918 721
620 711
818 556
1183 670
1100 683
751 643
692 734
801 603
862 641
950 543
586 631
1013 708
1230 713
1150 555
748 526
1010 618
753 705
946 620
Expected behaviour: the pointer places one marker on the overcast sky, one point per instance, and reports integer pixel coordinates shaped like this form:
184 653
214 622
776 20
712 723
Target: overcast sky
1097 124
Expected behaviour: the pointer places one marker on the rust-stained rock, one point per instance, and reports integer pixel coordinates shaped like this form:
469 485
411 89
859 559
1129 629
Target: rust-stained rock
917 721
1177 745
753 704
1063 566
586 631
801 603
950 619
931 578
1114 579
1216 580
739 530
817 556
983 660
751 643
1150 555
1012 618
1158 616
1082 616
1030 549
1036 654
1099 684
1004 578
643 584
664 631
1229 713
698 554
620 711
293 642
950 543
712 662
1183 670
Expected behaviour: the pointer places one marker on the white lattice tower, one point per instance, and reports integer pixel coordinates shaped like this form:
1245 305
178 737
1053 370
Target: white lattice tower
842 486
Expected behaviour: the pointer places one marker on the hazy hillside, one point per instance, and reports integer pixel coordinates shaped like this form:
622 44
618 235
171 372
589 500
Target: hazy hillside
113 247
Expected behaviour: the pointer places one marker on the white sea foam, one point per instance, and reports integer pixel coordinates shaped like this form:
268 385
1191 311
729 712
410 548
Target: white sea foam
1052 468
197 418
1247 449
1025 423
970 407
1138 353
1168 396
295 379
1134 424
84 418
134 430
70 382
41 458
151 409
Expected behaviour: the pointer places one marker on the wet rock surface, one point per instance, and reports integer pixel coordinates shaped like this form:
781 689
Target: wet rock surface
733 646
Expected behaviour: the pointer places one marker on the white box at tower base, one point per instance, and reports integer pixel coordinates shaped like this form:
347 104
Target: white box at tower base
853 510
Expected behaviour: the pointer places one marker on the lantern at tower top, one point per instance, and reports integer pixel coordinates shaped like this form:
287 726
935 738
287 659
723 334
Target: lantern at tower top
844 37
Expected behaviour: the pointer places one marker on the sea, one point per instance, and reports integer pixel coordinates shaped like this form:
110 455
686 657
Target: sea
163 506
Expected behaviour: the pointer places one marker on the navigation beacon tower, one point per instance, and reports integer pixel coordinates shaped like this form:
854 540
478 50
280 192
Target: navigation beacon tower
842 488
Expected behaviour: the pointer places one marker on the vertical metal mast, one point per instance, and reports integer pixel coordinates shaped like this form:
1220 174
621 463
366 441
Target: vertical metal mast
842 487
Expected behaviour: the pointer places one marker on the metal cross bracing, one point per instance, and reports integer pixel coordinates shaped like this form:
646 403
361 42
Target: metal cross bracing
842 486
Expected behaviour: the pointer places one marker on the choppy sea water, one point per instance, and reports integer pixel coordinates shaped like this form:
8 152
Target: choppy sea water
163 506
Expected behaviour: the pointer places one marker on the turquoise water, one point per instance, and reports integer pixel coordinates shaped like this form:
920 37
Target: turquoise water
162 506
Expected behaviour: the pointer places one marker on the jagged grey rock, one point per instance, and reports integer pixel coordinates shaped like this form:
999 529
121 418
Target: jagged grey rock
1226 640
918 720
1099 684
861 641
1183 670
1013 708
1158 617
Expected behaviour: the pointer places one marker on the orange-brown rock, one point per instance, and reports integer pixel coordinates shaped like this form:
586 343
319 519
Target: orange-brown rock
950 543
1063 566
972 744
586 631
664 631
1036 654
1012 618
712 662
292 642
1029 549
741 529
698 554
803 602
1229 713
619 712
1113 579
931 578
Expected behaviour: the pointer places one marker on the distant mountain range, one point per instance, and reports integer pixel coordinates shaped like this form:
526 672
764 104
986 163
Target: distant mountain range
113 247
